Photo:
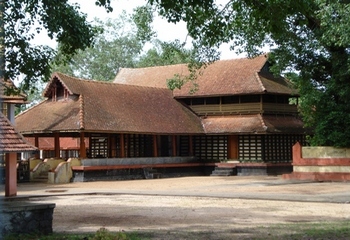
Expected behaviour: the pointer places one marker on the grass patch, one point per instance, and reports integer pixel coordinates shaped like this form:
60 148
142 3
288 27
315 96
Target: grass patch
306 231
293 231
101 234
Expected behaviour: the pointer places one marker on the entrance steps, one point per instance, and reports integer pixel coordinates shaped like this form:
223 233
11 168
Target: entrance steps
224 169
43 177
151 173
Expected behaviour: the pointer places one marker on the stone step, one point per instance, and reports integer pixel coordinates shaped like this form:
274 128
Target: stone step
151 173
222 172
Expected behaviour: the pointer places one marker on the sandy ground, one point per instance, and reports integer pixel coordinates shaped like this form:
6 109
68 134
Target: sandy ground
192 207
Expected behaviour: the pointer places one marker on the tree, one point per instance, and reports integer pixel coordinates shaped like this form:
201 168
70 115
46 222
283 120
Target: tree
21 21
307 37
118 45
166 53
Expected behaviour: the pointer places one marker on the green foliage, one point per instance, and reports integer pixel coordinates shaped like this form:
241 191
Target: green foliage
310 38
101 234
143 18
23 20
297 231
118 45
166 53
104 234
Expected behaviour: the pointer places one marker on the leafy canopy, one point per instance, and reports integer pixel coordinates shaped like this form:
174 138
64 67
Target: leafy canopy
121 43
22 20
308 37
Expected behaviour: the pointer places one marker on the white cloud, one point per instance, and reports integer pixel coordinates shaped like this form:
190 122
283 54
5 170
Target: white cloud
165 31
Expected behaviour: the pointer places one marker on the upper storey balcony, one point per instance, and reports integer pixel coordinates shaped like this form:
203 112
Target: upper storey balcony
249 104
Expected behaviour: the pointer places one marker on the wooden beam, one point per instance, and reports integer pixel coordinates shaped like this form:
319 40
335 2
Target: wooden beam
122 145
11 174
174 145
191 145
112 147
155 146
57 144
36 142
82 148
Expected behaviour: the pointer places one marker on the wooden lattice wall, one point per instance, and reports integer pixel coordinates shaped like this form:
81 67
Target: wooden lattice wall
210 148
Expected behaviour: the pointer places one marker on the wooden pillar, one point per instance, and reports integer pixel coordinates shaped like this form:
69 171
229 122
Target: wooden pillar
82 148
122 146
112 147
191 145
174 145
36 142
155 146
57 144
11 174
297 153
232 147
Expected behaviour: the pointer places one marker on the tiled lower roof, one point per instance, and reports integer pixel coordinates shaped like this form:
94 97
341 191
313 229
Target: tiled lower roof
247 124
10 139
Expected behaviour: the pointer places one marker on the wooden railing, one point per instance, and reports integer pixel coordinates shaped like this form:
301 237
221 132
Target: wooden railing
279 108
244 108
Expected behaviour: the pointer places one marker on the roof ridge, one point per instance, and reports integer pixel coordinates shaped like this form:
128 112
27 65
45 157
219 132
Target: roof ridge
178 64
262 122
85 79
256 75
170 65
140 86
81 112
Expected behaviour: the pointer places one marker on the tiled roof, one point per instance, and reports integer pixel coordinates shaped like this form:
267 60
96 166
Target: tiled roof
9 92
225 77
243 124
49 116
109 107
10 139
284 124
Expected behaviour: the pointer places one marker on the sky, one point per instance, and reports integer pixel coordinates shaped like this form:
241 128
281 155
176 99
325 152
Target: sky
165 31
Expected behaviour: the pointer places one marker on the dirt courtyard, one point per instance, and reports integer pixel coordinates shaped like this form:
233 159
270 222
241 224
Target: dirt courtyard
192 207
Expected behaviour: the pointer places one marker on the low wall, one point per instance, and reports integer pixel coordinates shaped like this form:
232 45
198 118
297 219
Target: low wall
53 162
261 169
62 174
256 169
33 162
133 168
320 164
135 161
25 217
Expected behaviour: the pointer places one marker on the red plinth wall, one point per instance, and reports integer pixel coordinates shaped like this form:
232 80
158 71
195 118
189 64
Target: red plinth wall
326 166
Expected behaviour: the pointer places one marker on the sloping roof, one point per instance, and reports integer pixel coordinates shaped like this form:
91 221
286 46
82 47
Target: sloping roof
9 93
225 77
284 124
243 124
109 107
10 139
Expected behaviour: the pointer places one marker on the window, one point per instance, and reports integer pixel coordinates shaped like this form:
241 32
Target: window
212 100
198 101
230 99
250 99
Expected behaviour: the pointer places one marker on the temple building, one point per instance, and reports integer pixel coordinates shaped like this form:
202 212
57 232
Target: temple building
240 111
